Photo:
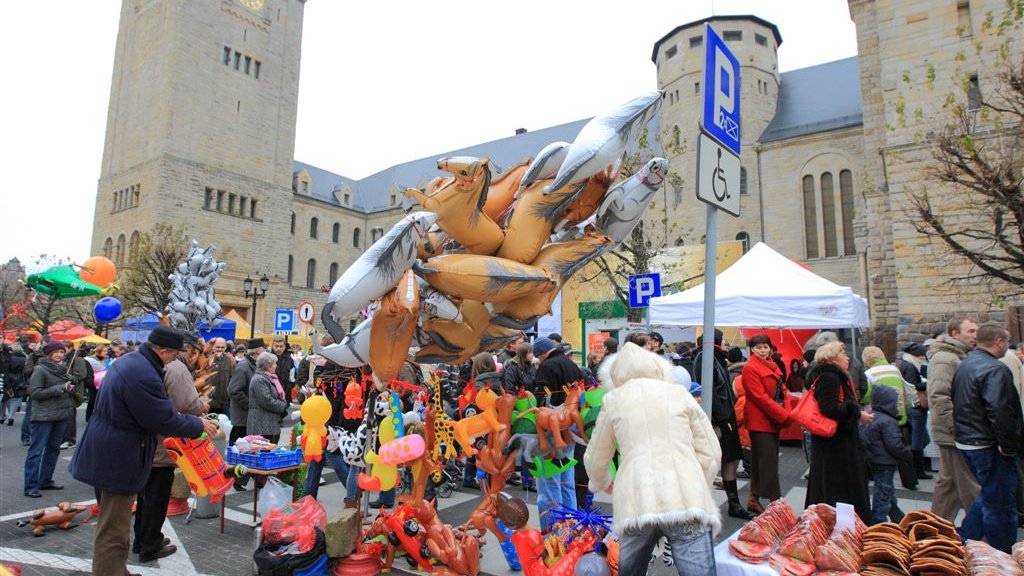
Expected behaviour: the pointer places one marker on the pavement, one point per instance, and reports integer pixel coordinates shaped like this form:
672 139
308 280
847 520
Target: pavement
203 550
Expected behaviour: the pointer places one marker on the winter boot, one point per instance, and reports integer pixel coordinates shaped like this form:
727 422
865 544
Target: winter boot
754 504
922 472
736 510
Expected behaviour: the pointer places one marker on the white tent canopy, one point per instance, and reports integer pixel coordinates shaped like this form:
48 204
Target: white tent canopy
766 289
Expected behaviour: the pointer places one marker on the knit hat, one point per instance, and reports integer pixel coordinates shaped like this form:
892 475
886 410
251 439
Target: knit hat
52 346
255 343
167 337
542 346
915 349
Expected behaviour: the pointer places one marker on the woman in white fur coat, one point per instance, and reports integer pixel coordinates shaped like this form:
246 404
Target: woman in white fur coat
668 459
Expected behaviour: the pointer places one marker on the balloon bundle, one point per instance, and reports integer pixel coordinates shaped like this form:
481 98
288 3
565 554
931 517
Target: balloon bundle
487 254
192 299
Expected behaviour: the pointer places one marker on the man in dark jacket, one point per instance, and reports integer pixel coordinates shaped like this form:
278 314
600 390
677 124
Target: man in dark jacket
987 420
910 368
555 371
224 364
116 451
885 451
285 364
12 366
723 418
238 392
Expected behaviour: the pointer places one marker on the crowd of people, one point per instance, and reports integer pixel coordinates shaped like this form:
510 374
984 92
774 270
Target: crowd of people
960 391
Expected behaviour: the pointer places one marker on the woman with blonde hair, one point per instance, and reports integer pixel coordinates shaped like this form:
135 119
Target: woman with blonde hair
837 462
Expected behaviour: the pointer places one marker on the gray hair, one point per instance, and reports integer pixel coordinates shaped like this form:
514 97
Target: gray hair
266 360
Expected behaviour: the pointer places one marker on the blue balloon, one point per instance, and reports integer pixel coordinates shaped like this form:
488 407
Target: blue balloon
107 309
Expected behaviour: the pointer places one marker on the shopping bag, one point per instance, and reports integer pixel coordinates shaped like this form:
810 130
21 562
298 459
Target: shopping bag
274 494
808 414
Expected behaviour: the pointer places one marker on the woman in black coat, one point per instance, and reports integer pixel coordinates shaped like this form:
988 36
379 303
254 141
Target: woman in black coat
837 463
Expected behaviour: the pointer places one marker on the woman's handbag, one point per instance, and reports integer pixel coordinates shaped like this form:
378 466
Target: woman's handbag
808 414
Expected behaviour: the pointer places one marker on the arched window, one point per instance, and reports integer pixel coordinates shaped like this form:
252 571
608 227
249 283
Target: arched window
291 266
333 273
293 224
311 273
743 180
376 233
133 245
828 215
108 247
846 202
355 238
314 223
810 217
745 238
119 252
335 232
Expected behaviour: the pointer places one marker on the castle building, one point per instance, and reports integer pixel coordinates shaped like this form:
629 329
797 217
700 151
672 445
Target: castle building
201 134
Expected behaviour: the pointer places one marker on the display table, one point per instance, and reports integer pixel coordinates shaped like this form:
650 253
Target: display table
256 491
728 565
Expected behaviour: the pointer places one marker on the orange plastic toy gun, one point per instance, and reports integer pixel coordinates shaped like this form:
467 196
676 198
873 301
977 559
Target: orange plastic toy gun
202 465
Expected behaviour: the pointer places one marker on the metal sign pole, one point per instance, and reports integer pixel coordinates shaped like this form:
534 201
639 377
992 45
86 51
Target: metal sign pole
707 380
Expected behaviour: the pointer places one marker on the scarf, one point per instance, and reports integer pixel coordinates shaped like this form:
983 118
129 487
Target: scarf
277 384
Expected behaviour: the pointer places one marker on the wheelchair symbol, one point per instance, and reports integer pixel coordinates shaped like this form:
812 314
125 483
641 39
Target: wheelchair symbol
718 180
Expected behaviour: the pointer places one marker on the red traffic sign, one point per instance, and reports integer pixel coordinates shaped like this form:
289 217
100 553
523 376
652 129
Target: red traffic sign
306 312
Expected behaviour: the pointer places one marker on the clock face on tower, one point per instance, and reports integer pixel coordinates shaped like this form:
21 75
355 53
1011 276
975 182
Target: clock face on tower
253 4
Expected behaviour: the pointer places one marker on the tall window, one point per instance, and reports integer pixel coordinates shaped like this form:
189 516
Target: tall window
335 232
133 245
846 202
208 200
293 224
745 238
291 267
311 273
828 215
355 238
333 273
743 180
119 253
108 247
973 94
313 224
810 218
376 233
963 17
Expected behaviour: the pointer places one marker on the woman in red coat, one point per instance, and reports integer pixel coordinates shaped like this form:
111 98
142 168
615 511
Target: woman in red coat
765 416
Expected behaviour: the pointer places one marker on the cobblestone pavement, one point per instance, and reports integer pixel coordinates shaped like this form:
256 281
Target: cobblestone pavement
202 549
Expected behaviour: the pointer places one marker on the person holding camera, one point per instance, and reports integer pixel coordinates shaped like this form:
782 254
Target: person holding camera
54 398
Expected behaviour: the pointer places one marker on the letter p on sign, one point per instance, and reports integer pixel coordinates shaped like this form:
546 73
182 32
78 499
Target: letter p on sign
642 288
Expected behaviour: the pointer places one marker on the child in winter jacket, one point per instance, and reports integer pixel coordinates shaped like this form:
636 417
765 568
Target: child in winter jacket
884 448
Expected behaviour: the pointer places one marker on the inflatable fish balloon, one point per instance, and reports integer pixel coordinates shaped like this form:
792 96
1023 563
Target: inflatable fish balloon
546 164
484 278
604 139
625 204
378 269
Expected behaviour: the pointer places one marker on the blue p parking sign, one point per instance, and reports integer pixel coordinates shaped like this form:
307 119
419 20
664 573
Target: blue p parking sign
721 92
642 288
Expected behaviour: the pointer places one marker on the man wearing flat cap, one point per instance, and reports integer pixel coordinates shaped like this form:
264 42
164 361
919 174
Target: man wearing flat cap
116 452
238 392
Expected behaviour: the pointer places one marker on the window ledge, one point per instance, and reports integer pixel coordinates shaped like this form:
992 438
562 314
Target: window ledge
239 216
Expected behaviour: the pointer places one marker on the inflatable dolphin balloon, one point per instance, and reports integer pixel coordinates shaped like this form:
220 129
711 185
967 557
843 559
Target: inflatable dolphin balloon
624 205
604 139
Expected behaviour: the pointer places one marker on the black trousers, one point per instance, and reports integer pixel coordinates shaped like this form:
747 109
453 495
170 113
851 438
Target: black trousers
151 510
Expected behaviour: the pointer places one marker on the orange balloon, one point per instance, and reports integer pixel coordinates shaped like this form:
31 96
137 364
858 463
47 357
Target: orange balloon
98 270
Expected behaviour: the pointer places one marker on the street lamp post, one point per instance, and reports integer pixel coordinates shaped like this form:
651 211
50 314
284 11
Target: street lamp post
257 293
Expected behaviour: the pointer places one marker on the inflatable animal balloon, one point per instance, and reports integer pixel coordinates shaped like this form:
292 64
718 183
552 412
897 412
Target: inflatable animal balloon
546 164
434 304
192 297
454 336
354 349
459 205
533 217
392 328
106 309
377 271
586 202
432 244
624 205
604 139
316 411
502 191
382 476
484 278
99 271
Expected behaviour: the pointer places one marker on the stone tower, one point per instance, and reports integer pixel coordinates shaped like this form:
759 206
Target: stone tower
679 57
201 133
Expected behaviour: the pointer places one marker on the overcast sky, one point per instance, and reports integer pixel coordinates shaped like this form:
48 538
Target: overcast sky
382 83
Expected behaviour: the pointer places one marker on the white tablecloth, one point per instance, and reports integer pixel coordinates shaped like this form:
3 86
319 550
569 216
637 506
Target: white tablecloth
728 565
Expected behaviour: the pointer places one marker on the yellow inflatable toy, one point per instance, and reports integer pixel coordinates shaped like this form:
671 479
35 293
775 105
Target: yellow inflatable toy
533 216
484 278
561 260
316 411
502 191
392 328
459 204
382 476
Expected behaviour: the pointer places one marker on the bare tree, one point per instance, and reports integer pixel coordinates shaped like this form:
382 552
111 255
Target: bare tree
144 279
980 157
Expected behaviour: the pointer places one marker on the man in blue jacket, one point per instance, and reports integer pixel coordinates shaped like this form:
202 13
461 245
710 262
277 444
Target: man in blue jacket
116 452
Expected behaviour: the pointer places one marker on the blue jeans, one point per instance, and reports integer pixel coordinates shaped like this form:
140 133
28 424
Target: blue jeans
993 516
10 408
919 437
335 461
559 489
43 451
692 549
387 498
883 501
26 423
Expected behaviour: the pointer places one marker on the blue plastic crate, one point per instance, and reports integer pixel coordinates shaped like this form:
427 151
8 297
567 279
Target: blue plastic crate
269 460
318 569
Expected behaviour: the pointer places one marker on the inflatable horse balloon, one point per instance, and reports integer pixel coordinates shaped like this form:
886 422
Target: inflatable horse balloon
625 204
377 271
354 349
484 278
604 139
502 191
545 165
392 328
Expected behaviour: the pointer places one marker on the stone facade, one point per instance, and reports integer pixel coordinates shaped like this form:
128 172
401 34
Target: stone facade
201 133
